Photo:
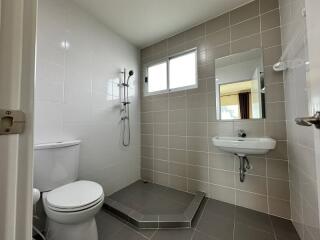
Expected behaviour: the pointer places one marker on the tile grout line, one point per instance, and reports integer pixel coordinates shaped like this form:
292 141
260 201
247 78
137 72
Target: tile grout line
273 229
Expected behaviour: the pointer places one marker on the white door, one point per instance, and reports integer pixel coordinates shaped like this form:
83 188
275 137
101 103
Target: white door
313 18
17 47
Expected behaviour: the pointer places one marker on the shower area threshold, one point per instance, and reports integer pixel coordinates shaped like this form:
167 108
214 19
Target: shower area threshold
151 206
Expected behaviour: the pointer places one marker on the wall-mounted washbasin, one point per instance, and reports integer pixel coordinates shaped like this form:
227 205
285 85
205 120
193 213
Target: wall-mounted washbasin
244 146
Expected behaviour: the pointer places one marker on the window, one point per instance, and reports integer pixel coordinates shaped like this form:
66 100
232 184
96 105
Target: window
178 72
157 75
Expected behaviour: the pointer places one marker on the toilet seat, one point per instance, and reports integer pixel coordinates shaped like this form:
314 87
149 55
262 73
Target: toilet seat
75 196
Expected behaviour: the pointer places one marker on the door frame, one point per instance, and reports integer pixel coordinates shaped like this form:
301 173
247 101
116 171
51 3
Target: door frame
313 36
17 71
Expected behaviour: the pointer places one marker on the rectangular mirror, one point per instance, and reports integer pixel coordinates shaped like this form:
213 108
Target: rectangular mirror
240 90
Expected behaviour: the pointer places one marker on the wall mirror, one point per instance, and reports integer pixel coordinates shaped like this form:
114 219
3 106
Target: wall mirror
240 90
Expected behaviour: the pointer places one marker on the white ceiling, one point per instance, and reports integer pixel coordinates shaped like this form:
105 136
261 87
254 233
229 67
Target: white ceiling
143 22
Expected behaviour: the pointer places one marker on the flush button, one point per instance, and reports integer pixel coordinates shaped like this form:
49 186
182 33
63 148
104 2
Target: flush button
11 122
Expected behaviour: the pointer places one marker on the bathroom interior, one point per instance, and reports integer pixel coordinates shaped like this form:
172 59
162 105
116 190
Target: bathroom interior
174 120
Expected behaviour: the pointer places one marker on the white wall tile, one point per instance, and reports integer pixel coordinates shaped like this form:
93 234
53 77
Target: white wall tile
77 96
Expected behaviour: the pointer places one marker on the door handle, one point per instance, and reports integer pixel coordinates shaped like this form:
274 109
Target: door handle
309 121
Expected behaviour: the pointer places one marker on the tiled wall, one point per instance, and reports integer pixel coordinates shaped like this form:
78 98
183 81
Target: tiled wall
301 149
77 96
177 127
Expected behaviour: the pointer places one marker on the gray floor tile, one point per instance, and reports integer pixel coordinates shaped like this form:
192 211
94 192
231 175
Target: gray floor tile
216 226
201 236
253 219
244 232
220 208
215 220
284 229
179 197
173 234
128 200
149 198
162 206
107 225
148 233
128 234
134 196
145 232
200 211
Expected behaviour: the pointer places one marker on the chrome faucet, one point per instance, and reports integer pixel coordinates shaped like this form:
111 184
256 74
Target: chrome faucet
242 133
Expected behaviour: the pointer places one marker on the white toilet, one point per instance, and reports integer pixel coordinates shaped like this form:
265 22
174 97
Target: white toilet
69 204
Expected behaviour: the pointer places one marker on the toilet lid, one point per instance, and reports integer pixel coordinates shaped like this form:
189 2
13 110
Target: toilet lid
75 195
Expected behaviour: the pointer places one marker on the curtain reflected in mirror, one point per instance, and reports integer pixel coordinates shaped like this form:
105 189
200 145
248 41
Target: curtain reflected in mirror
244 103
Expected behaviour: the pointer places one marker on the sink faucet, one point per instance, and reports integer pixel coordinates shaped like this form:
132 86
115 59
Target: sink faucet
242 133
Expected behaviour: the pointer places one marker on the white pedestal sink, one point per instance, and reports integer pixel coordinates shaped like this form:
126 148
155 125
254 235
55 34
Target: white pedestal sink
243 147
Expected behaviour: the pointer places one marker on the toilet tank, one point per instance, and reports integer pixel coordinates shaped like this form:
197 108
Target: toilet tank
55 164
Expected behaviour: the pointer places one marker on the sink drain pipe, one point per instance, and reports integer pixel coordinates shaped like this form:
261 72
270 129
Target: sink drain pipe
244 166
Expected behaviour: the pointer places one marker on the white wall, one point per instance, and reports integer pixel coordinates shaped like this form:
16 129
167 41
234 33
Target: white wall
77 96
301 145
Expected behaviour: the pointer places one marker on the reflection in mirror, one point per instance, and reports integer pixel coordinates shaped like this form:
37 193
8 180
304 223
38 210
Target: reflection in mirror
240 90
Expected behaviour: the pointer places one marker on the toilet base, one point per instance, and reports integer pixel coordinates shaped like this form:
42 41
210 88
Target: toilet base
80 231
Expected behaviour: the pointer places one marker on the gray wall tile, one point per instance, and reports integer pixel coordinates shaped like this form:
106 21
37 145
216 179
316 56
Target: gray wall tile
270 20
198 173
246 44
217 23
245 12
268 5
198 158
182 123
246 28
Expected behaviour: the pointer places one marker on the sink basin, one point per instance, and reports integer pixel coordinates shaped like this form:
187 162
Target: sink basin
244 146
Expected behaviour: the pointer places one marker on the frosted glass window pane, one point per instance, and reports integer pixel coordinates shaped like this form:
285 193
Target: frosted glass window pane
157 77
183 70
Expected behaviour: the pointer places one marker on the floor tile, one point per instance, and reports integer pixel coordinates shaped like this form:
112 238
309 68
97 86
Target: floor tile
145 232
245 232
220 208
173 234
178 196
215 220
150 198
253 219
201 236
162 206
200 211
284 229
216 226
107 225
128 234
148 233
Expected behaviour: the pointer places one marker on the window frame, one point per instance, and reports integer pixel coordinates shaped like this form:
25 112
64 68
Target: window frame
167 61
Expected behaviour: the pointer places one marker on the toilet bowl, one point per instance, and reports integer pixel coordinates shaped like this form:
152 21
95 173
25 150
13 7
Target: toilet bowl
71 209
70 204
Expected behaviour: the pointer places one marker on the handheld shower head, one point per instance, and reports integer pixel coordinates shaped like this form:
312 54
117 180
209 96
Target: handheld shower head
130 75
